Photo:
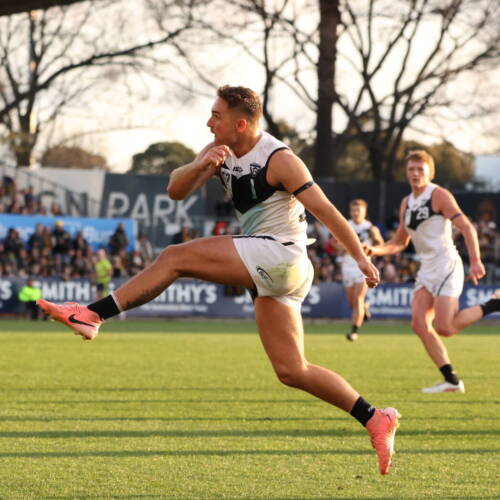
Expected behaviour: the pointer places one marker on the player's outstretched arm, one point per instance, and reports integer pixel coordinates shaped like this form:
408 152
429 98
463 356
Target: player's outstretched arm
445 203
397 243
188 178
287 170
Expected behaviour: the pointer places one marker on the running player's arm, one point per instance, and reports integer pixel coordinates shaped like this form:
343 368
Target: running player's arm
188 178
398 242
376 236
287 171
444 202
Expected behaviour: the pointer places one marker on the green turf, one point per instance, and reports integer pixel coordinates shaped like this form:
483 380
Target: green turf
192 410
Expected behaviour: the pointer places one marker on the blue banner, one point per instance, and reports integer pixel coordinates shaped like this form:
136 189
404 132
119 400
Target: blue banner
187 297
95 231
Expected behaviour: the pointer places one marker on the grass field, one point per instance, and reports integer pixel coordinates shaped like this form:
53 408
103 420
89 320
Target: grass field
192 410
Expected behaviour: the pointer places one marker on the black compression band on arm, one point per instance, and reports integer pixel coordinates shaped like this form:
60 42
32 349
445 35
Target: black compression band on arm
305 186
456 215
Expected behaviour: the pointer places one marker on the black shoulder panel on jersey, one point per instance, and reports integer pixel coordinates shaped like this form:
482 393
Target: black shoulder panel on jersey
278 188
420 214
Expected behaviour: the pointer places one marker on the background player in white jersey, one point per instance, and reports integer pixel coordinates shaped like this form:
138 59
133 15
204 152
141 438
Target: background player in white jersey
270 187
425 217
353 279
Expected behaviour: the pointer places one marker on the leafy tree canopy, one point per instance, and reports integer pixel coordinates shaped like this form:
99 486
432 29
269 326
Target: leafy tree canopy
161 158
72 157
454 168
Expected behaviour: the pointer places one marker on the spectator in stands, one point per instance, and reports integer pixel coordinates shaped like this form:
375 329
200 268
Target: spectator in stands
28 295
136 264
47 239
104 272
119 268
388 271
12 244
145 249
185 235
35 270
118 241
407 269
37 239
61 242
80 243
55 209
327 269
82 264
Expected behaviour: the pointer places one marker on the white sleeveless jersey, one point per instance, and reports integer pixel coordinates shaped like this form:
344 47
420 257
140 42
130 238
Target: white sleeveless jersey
262 209
363 231
430 232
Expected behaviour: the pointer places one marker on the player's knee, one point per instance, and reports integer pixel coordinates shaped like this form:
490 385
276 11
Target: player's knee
444 329
418 326
290 375
169 256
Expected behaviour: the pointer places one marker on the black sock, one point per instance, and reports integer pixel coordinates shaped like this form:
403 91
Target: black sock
354 329
105 308
362 411
491 306
449 375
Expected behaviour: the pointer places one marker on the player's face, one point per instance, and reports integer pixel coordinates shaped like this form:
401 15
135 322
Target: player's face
417 173
357 213
222 123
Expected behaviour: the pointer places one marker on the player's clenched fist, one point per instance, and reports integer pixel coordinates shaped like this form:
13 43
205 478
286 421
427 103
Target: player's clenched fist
215 156
371 273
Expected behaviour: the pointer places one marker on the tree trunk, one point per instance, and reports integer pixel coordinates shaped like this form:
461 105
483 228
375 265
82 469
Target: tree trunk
324 153
25 142
377 164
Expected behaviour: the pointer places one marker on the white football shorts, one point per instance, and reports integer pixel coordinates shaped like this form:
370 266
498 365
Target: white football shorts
281 270
445 277
351 276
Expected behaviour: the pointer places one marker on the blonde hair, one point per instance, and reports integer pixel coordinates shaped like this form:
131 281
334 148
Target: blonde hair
358 202
424 157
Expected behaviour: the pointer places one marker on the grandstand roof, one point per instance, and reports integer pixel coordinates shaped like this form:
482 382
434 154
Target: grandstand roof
14 6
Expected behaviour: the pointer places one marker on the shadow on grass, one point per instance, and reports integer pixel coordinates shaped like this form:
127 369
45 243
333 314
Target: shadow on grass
229 453
93 390
177 419
152 497
180 434
169 401
218 433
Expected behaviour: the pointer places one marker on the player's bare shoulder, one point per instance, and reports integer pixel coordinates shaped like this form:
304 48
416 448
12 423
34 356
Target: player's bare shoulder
287 169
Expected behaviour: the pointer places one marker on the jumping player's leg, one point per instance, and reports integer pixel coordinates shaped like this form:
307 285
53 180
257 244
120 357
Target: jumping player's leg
214 259
281 331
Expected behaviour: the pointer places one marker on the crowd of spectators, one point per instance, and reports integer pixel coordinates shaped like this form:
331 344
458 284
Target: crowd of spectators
403 267
14 200
53 253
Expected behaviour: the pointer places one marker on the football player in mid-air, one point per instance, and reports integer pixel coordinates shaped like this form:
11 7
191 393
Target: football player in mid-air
269 186
426 216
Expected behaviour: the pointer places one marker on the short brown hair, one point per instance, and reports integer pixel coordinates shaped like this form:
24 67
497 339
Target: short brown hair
358 202
424 157
242 98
